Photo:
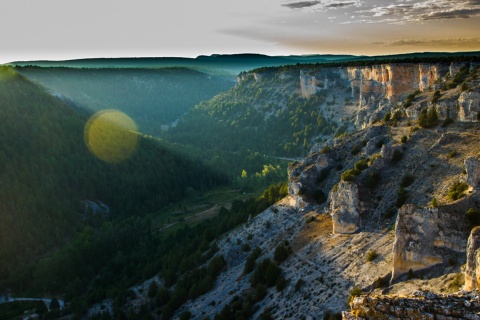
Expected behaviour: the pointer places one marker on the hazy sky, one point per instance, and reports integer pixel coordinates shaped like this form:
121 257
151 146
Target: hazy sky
68 29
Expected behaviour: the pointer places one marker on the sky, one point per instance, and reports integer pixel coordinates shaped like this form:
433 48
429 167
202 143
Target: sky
72 29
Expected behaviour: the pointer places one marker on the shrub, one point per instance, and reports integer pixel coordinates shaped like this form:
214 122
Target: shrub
401 197
434 202
246 247
473 216
436 96
410 274
387 116
332 316
457 190
361 164
281 253
371 255
281 283
349 175
407 180
380 283
452 154
447 121
355 292
373 180
403 139
397 155
325 149
299 284
356 149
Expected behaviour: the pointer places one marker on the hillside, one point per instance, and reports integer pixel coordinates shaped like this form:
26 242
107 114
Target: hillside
52 187
285 111
326 262
384 207
154 98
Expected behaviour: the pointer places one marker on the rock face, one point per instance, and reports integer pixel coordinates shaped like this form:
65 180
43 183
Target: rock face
468 103
472 269
472 165
346 208
305 177
420 305
427 236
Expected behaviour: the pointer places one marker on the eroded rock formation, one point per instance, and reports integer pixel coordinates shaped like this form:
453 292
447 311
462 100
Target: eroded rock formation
420 305
346 208
472 269
427 236
472 165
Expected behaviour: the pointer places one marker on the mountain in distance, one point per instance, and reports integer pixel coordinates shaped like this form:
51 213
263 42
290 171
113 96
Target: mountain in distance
223 64
216 64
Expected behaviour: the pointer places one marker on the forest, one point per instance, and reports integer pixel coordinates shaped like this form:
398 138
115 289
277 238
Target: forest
152 97
49 176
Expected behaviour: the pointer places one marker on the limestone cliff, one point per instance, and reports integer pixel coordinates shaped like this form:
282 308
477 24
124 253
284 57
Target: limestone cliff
346 208
472 166
428 236
472 268
468 103
376 89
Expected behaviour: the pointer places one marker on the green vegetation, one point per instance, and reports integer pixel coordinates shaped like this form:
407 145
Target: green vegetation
402 196
397 155
460 77
408 100
457 282
436 96
355 292
371 255
253 117
300 282
164 94
435 203
447 121
266 273
250 262
51 174
281 253
373 180
15 309
407 180
358 167
428 118
350 174
473 217
457 190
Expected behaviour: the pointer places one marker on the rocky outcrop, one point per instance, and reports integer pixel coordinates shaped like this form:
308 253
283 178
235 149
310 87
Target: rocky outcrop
346 208
469 108
472 268
472 166
420 305
305 177
427 236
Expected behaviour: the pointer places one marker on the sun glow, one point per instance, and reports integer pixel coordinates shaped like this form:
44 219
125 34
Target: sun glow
111 136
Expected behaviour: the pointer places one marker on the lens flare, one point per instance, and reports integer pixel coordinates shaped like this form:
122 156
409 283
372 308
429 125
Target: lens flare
111 136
